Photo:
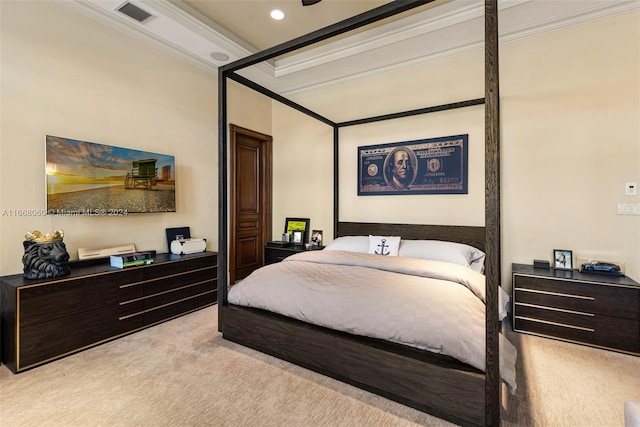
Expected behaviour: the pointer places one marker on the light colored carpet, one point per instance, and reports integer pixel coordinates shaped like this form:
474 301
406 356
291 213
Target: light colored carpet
564 384
182 373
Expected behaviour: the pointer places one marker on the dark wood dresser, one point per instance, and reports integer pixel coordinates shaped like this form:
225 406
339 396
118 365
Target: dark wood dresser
46 319
592 309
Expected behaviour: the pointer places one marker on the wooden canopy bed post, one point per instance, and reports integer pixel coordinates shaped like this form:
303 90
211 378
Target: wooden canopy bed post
223 198
336 179
492 213
454 390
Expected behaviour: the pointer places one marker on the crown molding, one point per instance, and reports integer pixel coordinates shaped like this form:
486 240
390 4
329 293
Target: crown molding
189 17
599 10
521 19
193 28
455 26
135 30
419 24
547 17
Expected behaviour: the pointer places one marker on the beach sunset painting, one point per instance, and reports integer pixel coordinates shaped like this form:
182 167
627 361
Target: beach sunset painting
90 178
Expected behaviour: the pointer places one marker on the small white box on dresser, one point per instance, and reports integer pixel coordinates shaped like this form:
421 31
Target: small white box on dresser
188 246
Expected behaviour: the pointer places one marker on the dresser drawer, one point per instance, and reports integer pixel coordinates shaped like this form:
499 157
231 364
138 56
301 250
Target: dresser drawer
179 280
562 316
273 255
179 307
605 331
181 266
616 301
56 338
153 301
66 297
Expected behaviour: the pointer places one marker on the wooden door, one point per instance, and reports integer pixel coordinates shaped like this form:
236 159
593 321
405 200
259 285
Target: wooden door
250 200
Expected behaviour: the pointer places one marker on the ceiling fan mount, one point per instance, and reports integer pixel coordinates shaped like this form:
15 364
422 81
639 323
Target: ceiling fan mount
310 2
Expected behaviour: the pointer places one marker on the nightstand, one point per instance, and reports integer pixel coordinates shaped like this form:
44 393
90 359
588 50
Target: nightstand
273 254
592 309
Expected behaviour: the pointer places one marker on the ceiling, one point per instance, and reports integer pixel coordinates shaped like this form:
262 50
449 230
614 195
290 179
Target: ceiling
194 29
249 19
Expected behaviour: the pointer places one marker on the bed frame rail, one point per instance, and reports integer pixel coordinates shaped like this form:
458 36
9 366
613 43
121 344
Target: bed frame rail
435 387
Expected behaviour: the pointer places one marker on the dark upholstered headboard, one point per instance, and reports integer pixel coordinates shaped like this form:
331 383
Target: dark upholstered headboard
474 236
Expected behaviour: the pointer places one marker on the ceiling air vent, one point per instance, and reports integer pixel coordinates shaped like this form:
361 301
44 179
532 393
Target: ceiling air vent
133 11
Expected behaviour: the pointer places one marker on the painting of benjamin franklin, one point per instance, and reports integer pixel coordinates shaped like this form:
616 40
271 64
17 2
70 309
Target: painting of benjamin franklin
400 167
425 166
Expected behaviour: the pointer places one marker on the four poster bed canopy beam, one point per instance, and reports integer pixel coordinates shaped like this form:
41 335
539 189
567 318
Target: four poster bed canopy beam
432 384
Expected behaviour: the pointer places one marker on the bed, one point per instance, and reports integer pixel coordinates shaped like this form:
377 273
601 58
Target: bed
425 294
432 382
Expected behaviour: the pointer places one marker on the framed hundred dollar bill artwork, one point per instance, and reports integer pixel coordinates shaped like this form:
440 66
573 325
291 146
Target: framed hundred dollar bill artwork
425 166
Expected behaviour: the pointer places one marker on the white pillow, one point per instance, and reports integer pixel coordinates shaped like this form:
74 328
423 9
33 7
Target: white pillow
503 303
478 264
349 243
384 245
438 250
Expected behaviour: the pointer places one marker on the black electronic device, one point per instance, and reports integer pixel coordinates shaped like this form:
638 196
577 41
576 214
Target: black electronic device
539 263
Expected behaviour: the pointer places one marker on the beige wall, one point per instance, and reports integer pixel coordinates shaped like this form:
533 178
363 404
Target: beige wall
458 209
67 75
571 133
570 129
248 108
302 170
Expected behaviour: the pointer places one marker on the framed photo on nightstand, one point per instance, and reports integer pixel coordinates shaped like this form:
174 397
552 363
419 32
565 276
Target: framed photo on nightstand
298 237
316 238
562 259
297 224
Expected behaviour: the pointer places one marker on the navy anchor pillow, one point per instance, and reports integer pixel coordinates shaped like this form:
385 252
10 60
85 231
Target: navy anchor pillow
384 245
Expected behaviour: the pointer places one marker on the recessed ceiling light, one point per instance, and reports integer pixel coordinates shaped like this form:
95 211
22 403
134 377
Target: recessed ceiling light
277 14
219 56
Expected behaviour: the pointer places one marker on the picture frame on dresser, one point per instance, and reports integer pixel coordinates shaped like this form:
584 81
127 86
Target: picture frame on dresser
562 259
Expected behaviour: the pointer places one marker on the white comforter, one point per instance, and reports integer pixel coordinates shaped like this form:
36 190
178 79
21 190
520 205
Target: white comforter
427 304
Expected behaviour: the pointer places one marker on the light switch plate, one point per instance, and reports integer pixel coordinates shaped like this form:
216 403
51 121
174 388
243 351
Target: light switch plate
628 209
630 188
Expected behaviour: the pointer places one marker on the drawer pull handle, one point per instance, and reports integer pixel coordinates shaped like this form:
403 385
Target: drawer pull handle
130 315
555 324
555 293
582 313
